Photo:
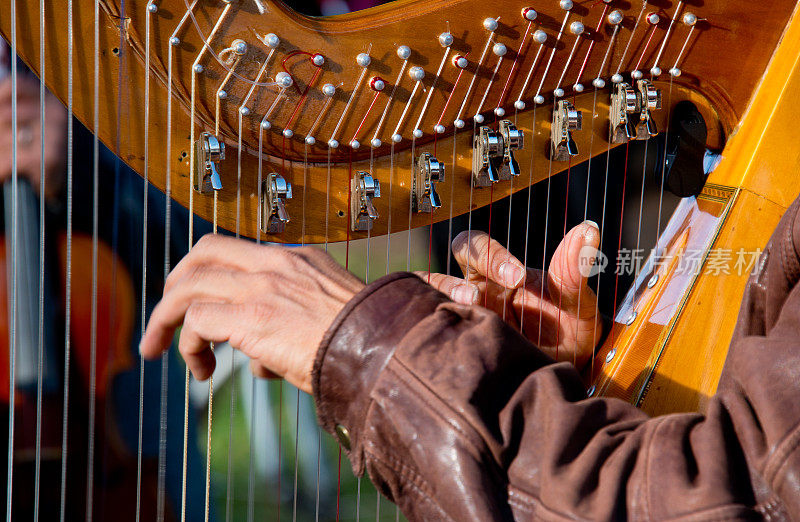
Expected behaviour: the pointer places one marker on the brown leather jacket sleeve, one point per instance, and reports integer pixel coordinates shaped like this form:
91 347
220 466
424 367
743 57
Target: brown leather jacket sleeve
457 417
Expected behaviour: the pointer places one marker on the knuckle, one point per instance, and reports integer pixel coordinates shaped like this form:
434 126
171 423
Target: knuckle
194 315
171 280
191 276
307 254
460 241
206 241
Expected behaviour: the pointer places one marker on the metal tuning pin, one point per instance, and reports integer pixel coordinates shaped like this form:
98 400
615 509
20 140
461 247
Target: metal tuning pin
487 157
566 119
208 153
513 139
427 172
363 189
275 190
649 100
624 104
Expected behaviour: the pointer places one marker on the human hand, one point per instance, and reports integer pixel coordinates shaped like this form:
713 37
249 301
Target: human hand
556 309
272 303
29 144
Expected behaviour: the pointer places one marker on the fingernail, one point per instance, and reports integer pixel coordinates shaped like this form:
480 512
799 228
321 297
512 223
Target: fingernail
589 232
512 274
464 294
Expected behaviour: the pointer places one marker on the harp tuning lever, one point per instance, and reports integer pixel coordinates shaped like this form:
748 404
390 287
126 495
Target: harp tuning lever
566 119
363 189
275 190
427 172
624 103
486 157
649 100
513 139
493 154
208 153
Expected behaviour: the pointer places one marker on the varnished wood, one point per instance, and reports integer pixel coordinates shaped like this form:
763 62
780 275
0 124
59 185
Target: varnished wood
660 362
671 357
722 83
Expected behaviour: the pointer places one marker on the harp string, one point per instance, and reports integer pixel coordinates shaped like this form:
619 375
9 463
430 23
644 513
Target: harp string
206 46
466 269
652 30
528 215
390 101
602 233
389 221
478 66
511 183
144 234
232 378
553 53
238 204
654 260
668 33
630 40
508 231
546 224
586 216
410 194
163 422
599 81
588 172
664 162
251 454
191 207
639 225
68 275
563 234
452 194
625 176
418 125
12 348
93 333
319 430
522 46
43 181
566 193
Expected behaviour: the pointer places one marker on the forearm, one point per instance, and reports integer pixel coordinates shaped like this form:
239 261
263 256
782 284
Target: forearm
456 416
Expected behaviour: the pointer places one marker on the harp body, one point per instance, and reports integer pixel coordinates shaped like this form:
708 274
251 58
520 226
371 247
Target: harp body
738 65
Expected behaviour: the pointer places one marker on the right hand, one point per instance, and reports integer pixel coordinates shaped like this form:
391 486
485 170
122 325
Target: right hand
556 309
29 149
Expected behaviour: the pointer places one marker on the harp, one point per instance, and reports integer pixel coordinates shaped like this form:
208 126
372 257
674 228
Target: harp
300 130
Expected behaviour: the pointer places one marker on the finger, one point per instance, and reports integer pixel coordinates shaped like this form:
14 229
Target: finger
205 323
480 256
203 284
455 288
217 250
245 256
566 282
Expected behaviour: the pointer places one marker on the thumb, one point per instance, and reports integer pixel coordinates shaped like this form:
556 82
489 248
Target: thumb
570 267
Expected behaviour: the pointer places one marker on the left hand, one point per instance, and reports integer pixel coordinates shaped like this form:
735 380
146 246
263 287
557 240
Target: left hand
272 303
556 310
